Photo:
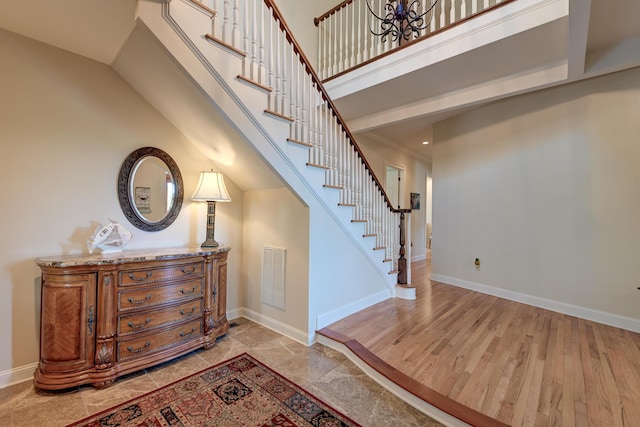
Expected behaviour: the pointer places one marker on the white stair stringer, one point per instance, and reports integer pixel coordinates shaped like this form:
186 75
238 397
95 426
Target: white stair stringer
181 27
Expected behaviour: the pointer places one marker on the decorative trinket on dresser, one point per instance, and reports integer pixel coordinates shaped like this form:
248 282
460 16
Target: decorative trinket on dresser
110 238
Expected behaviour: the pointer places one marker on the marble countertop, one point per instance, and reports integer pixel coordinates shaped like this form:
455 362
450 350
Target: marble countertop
127 256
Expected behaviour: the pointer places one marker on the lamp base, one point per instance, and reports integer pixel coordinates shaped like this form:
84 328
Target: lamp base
209 244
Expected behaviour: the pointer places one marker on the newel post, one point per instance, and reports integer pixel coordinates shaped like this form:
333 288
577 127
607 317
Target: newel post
402 261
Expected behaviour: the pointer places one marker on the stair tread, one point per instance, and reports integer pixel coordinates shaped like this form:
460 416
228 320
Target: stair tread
280 116
254 83
317 166
296 141
225 44
204 7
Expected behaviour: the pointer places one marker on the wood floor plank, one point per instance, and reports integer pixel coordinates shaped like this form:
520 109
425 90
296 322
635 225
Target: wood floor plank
514 363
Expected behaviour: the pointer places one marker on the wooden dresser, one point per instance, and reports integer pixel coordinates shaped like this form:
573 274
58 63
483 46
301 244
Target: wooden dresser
103 316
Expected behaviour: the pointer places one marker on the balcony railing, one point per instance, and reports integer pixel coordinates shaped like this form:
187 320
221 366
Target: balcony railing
345 40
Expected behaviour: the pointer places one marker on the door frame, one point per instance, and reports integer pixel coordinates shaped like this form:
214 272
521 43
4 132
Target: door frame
402 200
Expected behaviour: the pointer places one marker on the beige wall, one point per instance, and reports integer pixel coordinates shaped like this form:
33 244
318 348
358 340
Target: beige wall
66 125
299 16
545 190
278 219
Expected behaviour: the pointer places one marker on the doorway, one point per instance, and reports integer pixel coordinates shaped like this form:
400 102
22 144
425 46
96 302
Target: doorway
394 184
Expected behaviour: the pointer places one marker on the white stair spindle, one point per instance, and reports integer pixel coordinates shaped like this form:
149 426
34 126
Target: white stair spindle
226 28
321 56
306 83
432 20
452 12
254 42
261 24
278 70
284 74
360 47
270 61
245 37
214 19
353 27
235 34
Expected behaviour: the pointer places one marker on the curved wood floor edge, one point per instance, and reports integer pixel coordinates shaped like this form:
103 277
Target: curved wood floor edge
432 397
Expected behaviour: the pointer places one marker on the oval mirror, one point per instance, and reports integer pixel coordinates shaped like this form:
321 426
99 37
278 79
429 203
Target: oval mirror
150 189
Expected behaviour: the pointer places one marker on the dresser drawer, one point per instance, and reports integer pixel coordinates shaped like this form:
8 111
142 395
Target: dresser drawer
163 274
139 322
149 296
139 346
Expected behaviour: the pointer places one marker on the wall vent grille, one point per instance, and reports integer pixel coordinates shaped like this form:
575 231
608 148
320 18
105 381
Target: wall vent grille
273 270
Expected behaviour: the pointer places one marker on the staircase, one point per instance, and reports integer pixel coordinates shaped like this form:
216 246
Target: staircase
242 55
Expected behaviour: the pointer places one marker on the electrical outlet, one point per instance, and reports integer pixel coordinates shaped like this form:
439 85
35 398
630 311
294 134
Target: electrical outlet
477 263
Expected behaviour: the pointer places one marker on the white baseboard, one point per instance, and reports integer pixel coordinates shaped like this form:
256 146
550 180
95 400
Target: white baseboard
422 257
17 375
349 309
275 325
610 319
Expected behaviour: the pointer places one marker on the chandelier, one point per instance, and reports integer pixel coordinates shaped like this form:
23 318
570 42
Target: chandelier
402 20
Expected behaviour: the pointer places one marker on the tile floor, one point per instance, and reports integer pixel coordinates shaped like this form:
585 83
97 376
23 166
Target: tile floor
322 371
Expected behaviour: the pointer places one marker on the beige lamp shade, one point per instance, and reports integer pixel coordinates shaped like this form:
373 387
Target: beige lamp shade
211 188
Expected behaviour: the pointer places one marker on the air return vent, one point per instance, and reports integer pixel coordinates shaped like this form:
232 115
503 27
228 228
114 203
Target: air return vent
273 263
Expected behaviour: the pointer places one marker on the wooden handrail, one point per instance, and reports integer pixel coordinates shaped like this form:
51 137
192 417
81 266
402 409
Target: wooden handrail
324 16
309 69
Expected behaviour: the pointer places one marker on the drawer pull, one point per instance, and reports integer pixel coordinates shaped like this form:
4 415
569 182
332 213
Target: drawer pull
187 272
140 325
138 350
140 301
140 279
188 313
186 292
186 334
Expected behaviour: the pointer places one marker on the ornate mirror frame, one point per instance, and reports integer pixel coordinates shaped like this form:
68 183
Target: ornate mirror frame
125 183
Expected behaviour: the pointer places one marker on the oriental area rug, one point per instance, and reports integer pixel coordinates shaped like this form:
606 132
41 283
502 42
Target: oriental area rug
238 392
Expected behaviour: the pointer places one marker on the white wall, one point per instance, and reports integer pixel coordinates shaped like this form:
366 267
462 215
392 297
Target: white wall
342 280
545 190
379 155
66 125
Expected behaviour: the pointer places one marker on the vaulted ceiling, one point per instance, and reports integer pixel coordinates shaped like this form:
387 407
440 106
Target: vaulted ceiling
576 39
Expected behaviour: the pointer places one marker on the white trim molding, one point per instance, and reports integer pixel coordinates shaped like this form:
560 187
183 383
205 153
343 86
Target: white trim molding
275 325
598 316
333 316
17 375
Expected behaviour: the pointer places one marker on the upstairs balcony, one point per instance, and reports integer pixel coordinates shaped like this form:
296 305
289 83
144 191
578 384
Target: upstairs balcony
471 53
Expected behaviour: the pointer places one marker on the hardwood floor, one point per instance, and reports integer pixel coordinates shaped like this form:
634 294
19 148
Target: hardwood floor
491 361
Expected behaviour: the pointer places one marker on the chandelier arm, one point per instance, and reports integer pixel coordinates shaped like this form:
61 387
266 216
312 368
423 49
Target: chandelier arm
387 26
417 23
413 12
